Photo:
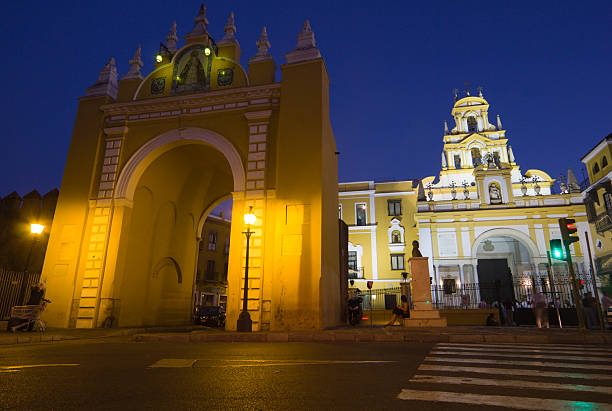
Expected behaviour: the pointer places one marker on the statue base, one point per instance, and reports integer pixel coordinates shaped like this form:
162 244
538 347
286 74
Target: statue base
423 314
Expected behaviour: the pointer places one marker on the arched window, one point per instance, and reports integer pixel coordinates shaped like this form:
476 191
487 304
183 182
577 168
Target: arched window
396 237
596 168
604 162
472 124
476 157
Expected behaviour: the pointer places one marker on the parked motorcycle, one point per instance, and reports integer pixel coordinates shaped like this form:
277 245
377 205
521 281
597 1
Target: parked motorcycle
355 312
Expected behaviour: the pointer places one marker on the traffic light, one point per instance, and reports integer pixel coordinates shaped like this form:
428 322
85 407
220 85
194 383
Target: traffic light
556 250
568 230
581 284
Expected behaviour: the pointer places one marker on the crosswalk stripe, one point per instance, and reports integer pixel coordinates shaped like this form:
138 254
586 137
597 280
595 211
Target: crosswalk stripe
535 356
527 350
528 363
513 371
529 403
541 346
510 383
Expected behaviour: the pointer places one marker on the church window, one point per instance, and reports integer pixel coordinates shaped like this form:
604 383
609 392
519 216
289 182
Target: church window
596 168
352 260
397 261
360 214
395 207
396 237
476 157
457 161
604 162
472 124
212 241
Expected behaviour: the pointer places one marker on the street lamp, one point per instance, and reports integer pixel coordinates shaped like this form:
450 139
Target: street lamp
36 230
244 319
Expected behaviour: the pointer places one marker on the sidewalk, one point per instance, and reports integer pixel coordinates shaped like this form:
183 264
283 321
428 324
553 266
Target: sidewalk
362 333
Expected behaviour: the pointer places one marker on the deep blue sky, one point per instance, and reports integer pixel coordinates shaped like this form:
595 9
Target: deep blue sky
545 67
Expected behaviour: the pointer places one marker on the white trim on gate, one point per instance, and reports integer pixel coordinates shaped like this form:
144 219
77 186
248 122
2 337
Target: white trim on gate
150 151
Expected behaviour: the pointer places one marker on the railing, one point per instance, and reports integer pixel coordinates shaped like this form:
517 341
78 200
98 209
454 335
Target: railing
10 287
603 222
484 295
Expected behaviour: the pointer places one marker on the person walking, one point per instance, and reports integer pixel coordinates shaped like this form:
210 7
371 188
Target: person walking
538 302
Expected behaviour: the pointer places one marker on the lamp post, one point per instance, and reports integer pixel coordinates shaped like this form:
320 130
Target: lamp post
36 230
244 319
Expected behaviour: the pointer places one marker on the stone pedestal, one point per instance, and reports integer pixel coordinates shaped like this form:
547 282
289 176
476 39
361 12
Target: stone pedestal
423 314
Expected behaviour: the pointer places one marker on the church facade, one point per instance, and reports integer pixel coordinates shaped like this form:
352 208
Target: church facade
482 219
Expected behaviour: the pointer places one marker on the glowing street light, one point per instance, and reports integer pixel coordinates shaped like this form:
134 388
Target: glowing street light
37 230
244 323
158 58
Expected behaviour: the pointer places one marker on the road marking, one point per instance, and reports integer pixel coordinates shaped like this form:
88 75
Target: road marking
541 347
19 367
173 363
271 363
234 363
529 363
500 401
527 350
535 356
512 371
511 383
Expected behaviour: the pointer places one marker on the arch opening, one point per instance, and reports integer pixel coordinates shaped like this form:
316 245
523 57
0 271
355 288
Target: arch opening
173 190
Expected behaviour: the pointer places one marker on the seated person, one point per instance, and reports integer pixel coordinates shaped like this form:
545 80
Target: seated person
491 321
400 312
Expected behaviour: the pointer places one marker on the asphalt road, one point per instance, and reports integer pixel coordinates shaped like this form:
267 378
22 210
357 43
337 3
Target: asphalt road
120 374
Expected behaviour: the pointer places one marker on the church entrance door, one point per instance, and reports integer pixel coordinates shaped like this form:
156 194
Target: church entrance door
495 280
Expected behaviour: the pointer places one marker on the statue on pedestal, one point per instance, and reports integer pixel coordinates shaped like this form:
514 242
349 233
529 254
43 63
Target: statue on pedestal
415 249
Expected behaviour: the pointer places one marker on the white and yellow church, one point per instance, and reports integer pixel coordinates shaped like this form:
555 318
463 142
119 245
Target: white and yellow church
482 219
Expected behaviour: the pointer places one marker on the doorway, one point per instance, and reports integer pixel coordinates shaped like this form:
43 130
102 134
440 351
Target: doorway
495 280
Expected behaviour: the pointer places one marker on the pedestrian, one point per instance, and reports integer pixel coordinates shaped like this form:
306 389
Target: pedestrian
605 301
37 294
538 302
400 312
465 301
590 313
508 312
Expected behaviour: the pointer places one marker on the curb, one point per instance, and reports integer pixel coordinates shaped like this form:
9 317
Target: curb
331 337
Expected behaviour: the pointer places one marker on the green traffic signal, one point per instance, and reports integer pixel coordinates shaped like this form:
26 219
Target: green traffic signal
556 249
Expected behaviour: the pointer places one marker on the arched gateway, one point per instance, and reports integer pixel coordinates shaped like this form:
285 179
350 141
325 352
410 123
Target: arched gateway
151 157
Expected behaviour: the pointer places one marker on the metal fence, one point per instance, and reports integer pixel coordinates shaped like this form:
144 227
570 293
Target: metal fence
485 295
10 287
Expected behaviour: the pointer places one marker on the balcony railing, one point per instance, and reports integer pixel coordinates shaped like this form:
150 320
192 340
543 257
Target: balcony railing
603 222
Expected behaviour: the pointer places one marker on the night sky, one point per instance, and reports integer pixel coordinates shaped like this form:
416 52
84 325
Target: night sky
545 68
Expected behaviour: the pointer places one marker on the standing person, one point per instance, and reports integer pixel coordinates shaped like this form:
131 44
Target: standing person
538 302
590 313
400 312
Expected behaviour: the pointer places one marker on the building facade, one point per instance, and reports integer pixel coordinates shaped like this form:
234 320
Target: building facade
213 259
152 154
598 201
482 219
